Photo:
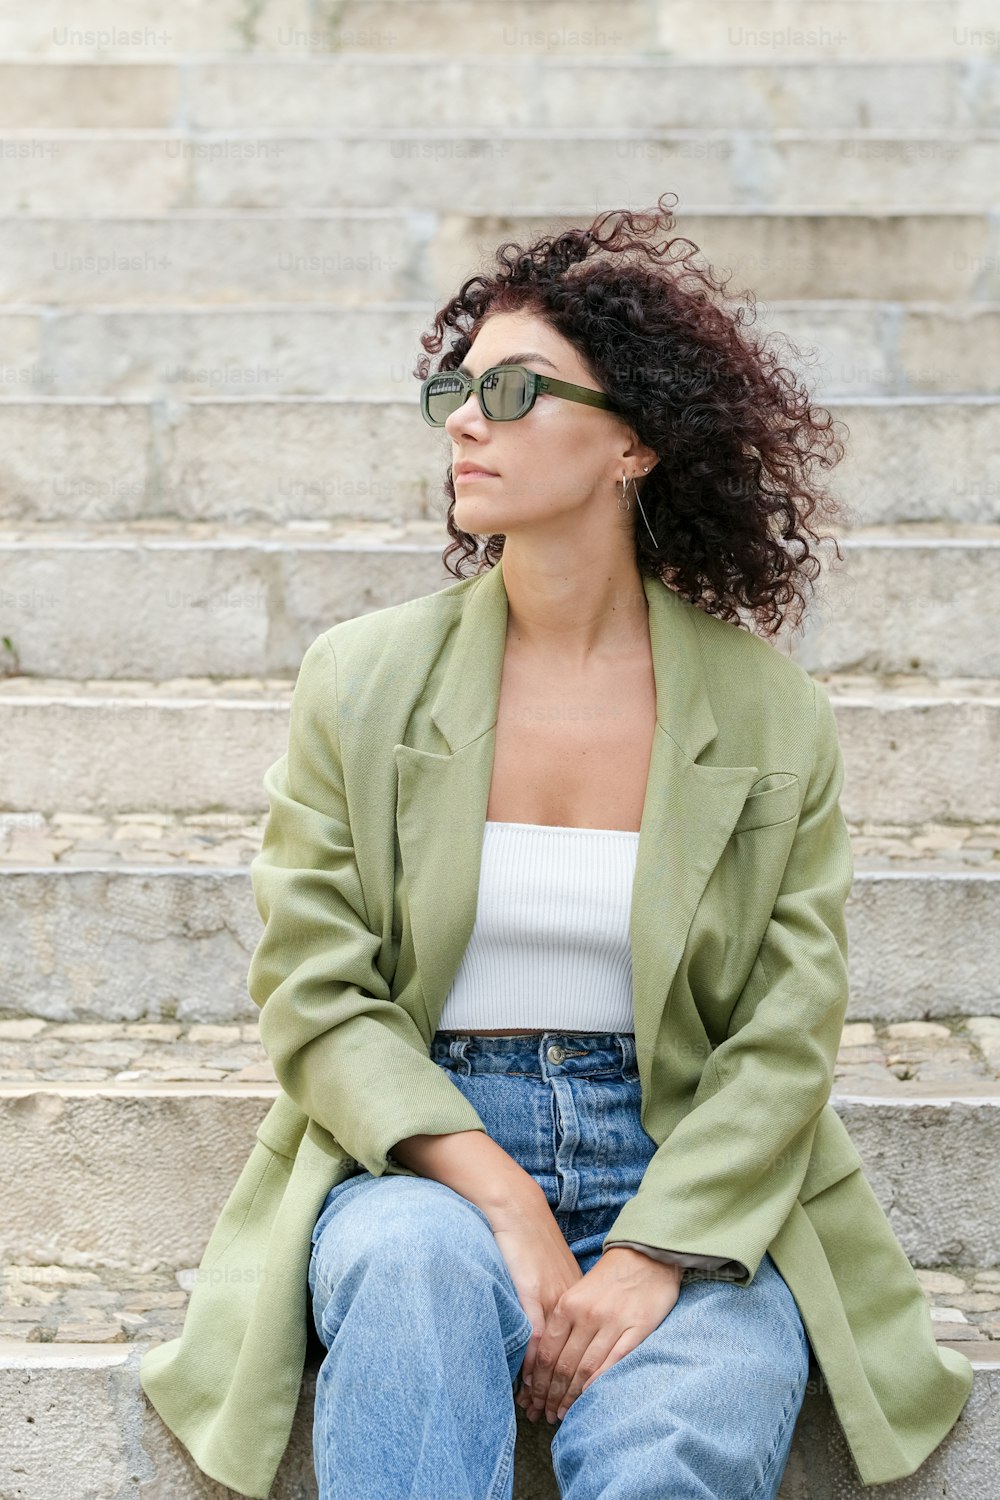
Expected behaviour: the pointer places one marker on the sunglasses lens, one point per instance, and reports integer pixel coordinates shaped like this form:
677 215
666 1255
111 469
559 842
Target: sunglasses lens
504 394
443 394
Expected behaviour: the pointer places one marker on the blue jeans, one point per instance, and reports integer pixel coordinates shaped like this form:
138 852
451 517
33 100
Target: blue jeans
425 1335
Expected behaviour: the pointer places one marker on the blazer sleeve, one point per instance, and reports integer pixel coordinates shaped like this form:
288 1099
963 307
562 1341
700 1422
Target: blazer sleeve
725 1179
340 1047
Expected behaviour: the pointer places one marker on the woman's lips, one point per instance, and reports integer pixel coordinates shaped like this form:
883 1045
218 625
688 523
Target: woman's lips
475 474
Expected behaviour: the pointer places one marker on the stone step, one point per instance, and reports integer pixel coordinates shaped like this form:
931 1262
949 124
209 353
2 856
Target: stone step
132 352
70 1304
156 752
795 29
239 458
151 917
75 1414
764 91
719 30
201 600
189 1111
158 171
888 609
356 256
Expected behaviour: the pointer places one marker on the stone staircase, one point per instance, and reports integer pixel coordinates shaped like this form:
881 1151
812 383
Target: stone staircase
221 231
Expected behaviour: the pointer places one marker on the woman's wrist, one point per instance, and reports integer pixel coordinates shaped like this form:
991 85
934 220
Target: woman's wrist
650 1260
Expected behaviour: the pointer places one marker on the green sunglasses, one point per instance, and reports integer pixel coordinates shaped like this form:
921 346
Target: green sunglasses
504 392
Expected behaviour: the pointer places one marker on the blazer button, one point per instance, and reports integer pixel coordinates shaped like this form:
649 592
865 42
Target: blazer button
556 1054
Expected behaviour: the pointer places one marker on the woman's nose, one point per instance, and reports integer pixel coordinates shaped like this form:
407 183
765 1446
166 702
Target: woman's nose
461 415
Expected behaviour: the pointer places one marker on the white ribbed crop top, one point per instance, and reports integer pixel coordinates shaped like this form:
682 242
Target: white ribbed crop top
550 948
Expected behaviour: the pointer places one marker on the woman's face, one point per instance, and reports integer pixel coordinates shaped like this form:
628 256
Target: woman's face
557 466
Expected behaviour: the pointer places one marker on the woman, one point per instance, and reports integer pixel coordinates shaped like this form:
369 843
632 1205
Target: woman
554 966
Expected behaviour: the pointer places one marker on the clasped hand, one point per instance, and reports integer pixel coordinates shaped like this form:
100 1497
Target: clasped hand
596 1321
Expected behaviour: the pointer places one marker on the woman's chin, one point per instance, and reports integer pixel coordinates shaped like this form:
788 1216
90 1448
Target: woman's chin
476 520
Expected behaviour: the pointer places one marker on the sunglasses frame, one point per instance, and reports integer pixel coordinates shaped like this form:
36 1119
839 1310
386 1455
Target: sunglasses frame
535 385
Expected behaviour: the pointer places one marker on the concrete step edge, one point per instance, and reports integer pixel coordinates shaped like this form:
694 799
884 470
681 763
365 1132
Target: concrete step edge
867 868
848 688
638 58
958 311
531 212
978 1095
917 401
405 534
779 135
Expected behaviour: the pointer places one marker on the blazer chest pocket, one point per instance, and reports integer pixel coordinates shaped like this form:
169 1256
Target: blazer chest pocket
772 799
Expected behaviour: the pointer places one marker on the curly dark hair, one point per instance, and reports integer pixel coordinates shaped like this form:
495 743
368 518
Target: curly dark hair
737 437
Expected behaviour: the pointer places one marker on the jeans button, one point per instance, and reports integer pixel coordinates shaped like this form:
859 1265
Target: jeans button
556 1054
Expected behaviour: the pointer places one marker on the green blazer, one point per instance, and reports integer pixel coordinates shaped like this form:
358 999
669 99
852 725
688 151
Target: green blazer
367 881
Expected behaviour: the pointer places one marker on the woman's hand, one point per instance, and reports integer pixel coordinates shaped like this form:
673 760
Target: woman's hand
597 1320
541 1264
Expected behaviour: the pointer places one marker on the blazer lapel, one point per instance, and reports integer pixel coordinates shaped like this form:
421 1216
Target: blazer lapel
688 814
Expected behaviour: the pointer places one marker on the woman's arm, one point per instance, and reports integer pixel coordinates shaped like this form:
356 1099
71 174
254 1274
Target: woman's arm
725 1180
350 1057
477 1167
